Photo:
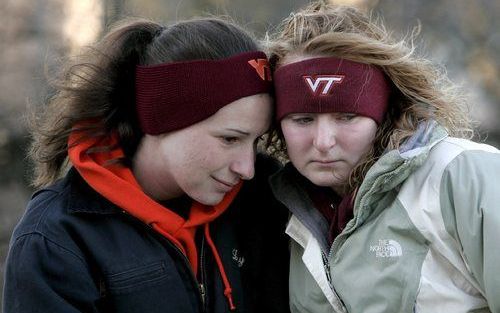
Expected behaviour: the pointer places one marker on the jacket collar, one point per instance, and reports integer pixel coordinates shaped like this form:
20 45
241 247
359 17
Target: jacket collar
83 199
395 166
287 186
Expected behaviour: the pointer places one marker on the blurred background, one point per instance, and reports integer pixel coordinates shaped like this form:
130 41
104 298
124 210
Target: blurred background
462 35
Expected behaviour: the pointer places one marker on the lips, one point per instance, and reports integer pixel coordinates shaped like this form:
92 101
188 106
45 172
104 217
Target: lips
224 184
325 162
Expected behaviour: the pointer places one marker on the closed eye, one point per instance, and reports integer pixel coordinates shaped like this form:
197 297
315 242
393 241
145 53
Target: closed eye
302 120
229 140
346 117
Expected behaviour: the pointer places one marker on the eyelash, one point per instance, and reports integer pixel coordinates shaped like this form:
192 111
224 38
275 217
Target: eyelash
307 120
302 120
346 117
229 140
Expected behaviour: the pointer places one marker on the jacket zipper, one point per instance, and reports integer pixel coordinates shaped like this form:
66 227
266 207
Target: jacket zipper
203 285
326 266
201 288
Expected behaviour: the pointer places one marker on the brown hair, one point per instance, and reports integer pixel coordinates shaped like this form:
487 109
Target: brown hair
421 91
99 85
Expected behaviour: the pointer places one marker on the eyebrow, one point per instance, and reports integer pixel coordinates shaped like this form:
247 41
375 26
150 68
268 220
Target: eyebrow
239 131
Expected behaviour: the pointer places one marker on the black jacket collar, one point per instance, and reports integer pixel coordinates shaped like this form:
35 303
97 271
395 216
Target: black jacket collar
82 198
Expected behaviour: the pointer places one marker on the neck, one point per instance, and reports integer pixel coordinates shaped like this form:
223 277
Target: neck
157 186
340 190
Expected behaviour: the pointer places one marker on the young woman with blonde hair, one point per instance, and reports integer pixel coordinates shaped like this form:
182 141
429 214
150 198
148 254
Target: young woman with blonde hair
393 208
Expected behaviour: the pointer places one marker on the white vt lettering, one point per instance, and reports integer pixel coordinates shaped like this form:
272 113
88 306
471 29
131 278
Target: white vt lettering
326 80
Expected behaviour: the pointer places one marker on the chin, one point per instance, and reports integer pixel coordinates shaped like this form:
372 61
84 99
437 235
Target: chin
322 183
321 180
327 179
209 199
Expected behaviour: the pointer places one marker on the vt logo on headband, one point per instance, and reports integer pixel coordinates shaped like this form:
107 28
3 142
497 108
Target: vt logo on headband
261 66
326 81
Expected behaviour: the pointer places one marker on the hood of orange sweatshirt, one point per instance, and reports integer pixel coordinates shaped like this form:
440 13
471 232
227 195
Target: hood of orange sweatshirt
93 158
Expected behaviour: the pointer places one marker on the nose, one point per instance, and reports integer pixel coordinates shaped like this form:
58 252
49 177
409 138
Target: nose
324 136
244 164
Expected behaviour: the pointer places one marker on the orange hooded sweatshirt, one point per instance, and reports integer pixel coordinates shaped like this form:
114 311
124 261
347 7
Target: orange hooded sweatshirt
117 183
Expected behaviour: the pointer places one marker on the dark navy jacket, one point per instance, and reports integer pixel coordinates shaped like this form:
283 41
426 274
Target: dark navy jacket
74 251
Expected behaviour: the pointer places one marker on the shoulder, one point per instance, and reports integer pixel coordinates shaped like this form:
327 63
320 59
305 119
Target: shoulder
451 153
463 160
472 170
450 148
454 168
57 215
43 210
42 236
465 174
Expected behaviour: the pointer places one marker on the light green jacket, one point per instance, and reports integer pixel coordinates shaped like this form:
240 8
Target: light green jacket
425 236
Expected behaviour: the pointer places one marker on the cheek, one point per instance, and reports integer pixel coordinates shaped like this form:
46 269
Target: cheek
201 155
359 144
297 146
296 139
208 156
192 159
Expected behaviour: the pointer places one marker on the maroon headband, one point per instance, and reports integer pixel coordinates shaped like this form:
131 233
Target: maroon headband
172 96
324 85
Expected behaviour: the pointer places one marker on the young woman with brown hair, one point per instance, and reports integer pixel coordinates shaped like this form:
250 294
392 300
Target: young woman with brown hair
162 209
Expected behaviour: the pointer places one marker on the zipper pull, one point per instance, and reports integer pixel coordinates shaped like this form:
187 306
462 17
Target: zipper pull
326 266
203 295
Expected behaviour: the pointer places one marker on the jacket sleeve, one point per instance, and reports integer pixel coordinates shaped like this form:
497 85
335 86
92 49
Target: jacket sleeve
42 276
471 210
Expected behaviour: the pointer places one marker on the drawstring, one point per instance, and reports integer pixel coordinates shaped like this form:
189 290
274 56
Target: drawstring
227 286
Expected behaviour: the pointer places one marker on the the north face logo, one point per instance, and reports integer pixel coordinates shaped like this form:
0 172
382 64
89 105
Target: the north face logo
321 85
387 248
262 68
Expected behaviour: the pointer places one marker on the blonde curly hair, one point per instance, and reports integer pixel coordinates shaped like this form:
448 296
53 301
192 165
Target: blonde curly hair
421 91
